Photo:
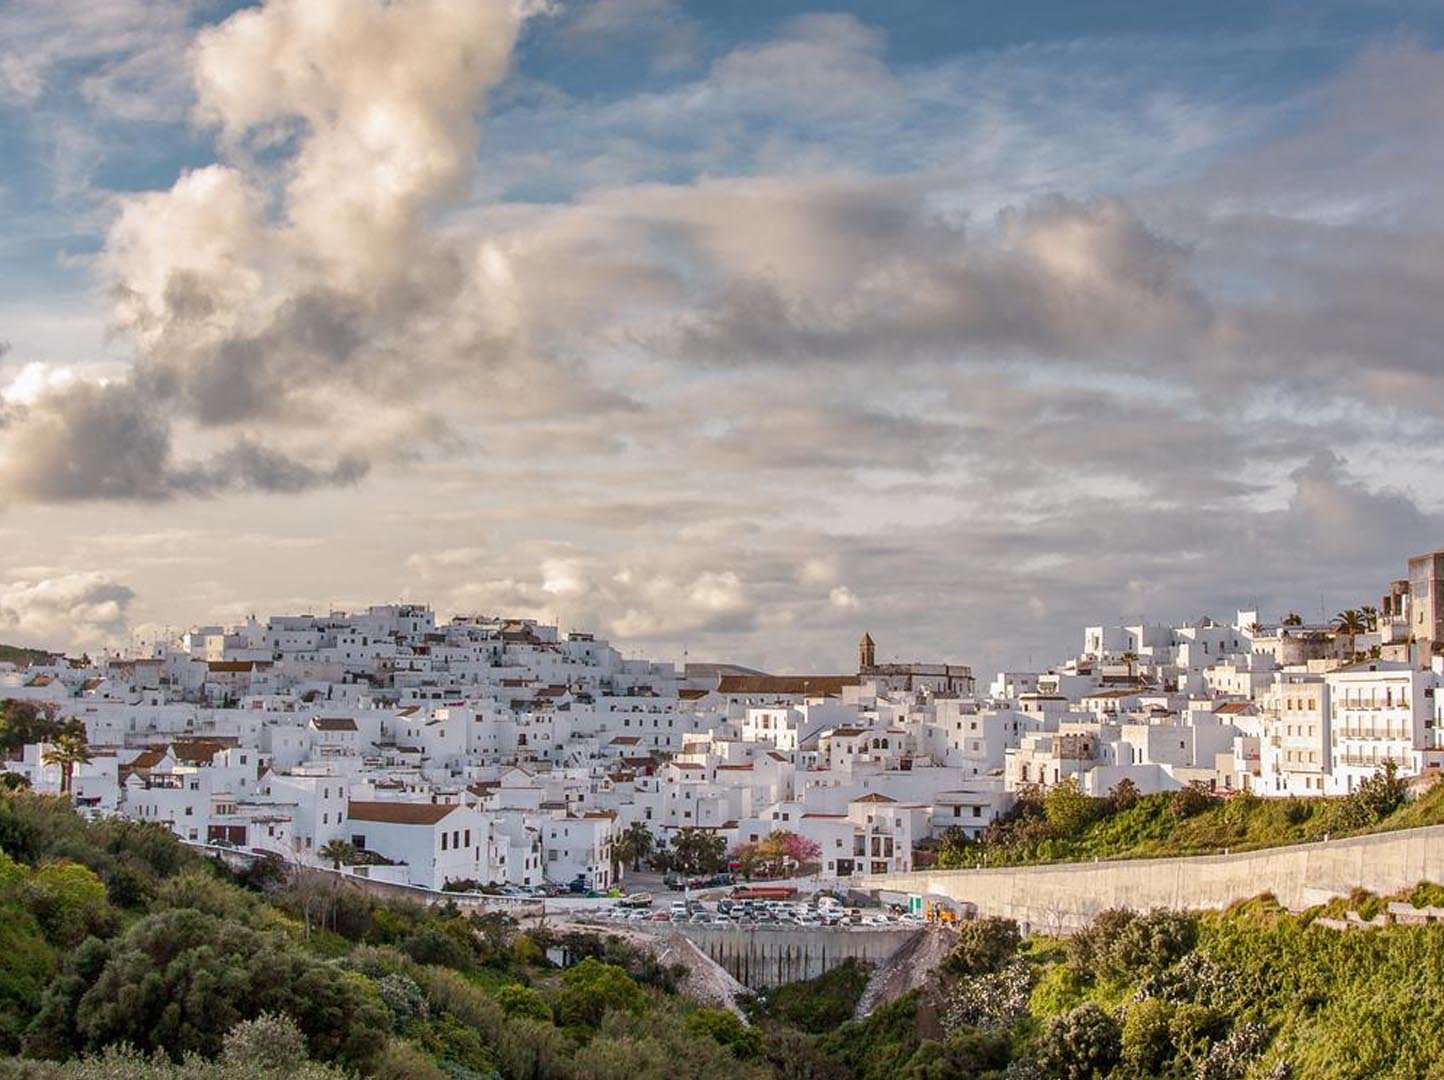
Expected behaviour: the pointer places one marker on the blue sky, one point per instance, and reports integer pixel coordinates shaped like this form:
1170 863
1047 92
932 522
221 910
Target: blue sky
728 326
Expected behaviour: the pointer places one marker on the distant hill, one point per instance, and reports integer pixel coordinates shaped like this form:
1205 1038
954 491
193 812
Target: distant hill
21 656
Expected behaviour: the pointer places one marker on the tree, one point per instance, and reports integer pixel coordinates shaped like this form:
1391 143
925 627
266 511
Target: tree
1254 629
23 722
1371 617
591 989
339 852
1293 618
179 980
953 847
748 858
68 751
1351 624
1082 1045
1190 800
698 851
1124 795
1068 810
984 946
1130 658
634 845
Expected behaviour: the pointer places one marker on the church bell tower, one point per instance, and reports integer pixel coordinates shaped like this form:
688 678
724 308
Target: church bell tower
866 653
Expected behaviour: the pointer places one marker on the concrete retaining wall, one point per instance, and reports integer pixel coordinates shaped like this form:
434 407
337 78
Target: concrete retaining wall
764 957
1066 896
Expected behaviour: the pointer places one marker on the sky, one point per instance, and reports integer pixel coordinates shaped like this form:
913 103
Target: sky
726 329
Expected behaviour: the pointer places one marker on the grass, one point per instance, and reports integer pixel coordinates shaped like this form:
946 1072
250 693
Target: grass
1149 830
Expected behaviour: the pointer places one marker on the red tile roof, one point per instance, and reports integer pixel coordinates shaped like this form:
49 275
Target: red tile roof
399 813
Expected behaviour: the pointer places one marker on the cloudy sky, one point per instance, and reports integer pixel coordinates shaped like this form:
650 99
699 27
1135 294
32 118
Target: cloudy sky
718 326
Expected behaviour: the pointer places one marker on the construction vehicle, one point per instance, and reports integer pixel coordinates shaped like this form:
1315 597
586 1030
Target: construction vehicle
939 913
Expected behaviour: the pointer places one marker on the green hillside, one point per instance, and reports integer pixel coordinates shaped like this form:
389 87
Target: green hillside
1066 825
129 957
21 656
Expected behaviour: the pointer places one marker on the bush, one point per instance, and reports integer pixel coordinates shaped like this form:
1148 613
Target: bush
1083 1045
1121 946
992 1001
430 945
179 980
1147 1043
591 989
725 1028
1189 801
1068 810
518 1000
984 945
817 1005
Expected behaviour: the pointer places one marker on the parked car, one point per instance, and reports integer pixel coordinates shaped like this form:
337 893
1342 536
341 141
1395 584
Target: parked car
661 916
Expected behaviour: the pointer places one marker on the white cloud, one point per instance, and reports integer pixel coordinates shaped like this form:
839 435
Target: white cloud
74 610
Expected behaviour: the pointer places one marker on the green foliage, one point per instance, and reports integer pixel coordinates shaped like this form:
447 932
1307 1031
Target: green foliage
967 1055
1427 894
518 1000
816 1005
724 1027
178 980
1083 1045
1186 822
432 945
267 1048
113 934
1147 1041
660 1046
24 722
983 946
1068 810
1189 801
1122 946
879 1047
591 989
1060 989
698 851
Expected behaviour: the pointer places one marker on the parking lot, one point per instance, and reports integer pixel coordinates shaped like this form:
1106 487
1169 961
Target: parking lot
750 914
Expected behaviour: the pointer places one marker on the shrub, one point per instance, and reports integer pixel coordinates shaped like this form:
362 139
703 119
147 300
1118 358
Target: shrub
591 989
725 1028
1121 946
984 945
1068 810
964 1056
179 980
518 1000
1083 1045
430 945
1147 1043
817 1005
1189 801
1123 796
989 1002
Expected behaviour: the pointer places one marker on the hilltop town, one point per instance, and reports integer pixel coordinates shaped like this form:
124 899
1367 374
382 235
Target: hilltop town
492 752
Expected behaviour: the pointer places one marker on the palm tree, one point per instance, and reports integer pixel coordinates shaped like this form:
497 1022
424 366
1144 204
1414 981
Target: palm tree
338 851
1293 618
1351 624
1371 616
634 845
1130 658
1254 629
67 751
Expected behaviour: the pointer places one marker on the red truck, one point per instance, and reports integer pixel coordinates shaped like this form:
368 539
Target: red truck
763 892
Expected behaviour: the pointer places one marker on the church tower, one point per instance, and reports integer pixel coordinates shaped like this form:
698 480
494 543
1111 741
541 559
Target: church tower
866 653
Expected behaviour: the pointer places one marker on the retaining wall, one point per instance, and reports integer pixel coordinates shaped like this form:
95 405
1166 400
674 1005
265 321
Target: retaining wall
763 957
1064 897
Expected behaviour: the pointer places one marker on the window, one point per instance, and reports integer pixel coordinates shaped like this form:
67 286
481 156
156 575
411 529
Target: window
444 838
